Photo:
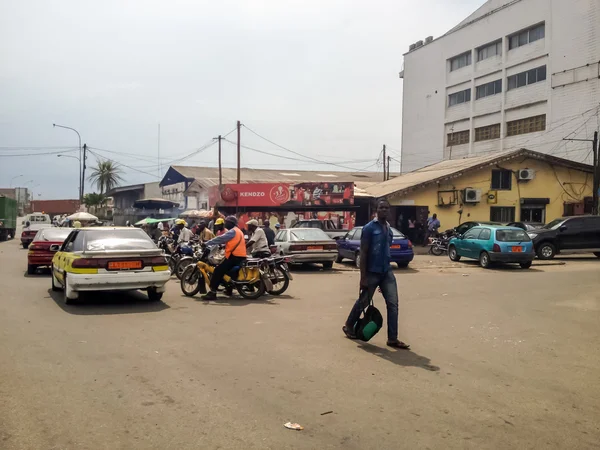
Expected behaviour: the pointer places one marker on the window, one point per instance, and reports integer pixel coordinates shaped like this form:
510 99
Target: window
485 235
502 214
528 125
533 213
488 89
502 181
487 133
512 236
462 229
524 78
458 138
489 50
527 37
473 233
459 97
460 61
281 236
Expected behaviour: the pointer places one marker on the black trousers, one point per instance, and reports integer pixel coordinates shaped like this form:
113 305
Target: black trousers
222 269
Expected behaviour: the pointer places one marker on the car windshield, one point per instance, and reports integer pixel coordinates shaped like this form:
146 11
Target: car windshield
309 234
554 224
133 239
53 234
512 236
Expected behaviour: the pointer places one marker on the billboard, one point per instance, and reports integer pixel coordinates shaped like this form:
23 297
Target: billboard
283 194
343 220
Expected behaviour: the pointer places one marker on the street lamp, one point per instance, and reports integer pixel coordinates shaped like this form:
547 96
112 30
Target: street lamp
78 159
14 178
80 169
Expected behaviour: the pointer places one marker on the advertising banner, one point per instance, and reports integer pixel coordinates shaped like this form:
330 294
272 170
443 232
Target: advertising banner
343 220
283 194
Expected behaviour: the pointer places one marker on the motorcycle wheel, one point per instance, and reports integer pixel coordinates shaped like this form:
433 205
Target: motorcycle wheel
191 281
437 251
279 287
251 294
182 264
172 263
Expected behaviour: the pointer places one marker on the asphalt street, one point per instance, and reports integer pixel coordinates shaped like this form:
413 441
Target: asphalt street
501 359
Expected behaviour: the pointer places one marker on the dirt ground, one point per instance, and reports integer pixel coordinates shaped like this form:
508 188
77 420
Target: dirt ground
504 358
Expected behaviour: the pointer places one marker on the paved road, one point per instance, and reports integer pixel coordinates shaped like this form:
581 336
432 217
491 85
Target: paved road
501 359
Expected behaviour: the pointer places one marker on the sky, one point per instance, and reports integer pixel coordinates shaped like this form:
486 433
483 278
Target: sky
319 78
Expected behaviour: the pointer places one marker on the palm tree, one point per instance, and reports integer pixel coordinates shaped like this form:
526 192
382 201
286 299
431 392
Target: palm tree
94 200
106 175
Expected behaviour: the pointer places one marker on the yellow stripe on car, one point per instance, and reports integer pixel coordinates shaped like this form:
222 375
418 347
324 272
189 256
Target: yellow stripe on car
160 268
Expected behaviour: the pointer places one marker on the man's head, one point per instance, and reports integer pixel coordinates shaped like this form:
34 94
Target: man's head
201 225
383 209
435 216
277 226
180 223
252 225
231 222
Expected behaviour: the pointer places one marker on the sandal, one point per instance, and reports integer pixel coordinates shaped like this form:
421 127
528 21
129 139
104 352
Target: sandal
398 344
348 333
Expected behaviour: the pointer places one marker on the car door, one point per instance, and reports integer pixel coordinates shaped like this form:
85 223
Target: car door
591 233
469 243
354 243
464 227
344 243
483 242
570 234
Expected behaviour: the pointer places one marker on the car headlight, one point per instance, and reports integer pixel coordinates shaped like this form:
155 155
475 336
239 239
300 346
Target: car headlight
532 235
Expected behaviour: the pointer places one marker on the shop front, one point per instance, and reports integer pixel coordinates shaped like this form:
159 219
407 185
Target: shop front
287 203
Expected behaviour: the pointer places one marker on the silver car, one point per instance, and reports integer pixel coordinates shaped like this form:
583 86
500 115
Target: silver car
307 245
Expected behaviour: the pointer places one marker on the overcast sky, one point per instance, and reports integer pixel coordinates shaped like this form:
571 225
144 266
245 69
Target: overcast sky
318 77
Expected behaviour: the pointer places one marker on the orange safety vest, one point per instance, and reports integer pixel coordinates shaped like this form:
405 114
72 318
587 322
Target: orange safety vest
236 246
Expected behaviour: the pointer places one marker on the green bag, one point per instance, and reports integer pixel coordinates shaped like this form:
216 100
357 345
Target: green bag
371 321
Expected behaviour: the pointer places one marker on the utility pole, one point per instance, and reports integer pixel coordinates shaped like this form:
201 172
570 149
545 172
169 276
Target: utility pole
158 151
239 127
220 168
388 166
83 167
384 162
595 169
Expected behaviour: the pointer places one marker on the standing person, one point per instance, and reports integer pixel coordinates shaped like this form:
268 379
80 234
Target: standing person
235 254
433 225
376 272
269 233
203 232
412 228
257 244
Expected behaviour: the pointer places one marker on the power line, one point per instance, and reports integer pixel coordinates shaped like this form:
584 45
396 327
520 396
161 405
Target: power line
100 157
17 155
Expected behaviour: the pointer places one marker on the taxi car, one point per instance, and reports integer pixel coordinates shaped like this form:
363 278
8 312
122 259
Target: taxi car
108 259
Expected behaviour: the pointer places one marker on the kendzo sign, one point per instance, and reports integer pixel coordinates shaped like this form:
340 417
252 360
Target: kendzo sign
283 194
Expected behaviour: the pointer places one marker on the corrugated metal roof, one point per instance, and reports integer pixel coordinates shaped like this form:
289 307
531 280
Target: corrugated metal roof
456 167
55 206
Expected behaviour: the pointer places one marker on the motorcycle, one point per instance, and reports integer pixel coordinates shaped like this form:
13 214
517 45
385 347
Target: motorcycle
279 274
439 245
187 259
250 279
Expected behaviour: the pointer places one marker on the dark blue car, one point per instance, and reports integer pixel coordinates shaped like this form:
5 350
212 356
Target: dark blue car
349 248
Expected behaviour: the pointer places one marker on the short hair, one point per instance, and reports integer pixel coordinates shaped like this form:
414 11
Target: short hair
383 200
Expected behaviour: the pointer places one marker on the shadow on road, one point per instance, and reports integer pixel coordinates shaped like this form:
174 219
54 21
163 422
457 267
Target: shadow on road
313 269
103 303
39 273
406 358
240 301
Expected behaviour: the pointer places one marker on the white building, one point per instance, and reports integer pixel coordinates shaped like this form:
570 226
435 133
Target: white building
516 73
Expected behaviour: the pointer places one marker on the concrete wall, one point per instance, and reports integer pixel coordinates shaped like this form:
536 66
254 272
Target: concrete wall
559 184
571 90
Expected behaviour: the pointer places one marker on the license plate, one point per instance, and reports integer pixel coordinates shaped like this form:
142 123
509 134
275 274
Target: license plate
396 246
315 247
517 249
127 265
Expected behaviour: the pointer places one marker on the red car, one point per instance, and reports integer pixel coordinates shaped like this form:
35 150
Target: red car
39 250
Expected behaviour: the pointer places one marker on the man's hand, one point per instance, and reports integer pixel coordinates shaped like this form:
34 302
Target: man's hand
363 282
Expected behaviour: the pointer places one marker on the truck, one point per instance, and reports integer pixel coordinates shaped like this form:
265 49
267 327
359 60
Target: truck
328 226
8 217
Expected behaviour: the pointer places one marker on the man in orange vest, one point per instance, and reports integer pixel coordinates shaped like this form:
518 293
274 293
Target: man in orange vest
235 254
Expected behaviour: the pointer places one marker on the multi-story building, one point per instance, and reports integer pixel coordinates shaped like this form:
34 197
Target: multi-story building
516 73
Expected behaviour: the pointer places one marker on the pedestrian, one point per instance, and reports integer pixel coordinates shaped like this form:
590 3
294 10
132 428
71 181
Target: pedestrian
412 227
376 272
269 233
433 225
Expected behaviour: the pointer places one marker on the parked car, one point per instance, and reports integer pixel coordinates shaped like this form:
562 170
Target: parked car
579 233
307 245
401 249
490 244
525 226
108 259
326 225
29 232
466 226
40 254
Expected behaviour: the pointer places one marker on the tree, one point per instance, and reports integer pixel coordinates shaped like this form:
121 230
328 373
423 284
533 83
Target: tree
94 200
106 175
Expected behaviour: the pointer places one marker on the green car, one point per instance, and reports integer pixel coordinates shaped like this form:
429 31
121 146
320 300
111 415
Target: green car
490 244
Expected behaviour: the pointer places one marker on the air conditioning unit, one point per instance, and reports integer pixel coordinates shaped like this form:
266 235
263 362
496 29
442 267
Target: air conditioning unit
526 174
472 195
411 47
428 39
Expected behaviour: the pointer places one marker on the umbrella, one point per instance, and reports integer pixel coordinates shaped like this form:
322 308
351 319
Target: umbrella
143 222
83 216
191 213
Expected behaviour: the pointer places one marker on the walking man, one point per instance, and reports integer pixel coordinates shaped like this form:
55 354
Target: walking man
433 225
376 272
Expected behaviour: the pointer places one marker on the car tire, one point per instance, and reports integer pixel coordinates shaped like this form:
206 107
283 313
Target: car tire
453 254
546 251
597 254
525 265
25 246
402 265
339 258
357 260
31 268
154 295
484 260
328 265
55 286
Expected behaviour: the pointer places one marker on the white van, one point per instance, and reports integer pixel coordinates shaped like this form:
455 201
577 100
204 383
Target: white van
37 218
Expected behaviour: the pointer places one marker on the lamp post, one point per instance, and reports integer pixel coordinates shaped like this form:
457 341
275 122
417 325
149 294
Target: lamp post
14 178
80 173
78 159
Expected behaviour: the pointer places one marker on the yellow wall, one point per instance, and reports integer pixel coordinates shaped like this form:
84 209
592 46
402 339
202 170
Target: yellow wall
575 186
